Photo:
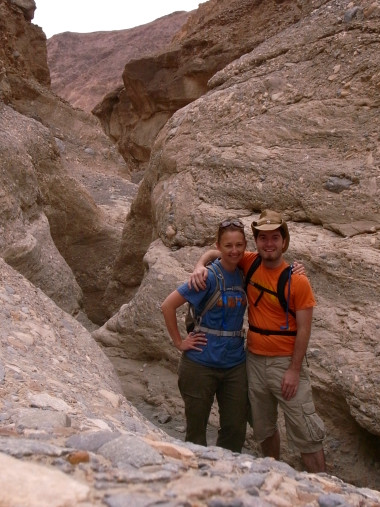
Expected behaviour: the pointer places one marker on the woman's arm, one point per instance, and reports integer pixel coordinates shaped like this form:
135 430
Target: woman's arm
169 307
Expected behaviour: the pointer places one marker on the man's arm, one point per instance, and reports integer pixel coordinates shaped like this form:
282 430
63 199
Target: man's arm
291 378
200 273
169 307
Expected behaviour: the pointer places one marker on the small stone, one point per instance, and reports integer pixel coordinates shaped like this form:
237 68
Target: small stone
170 232
354 13
78 457
91 441
331 500
164 418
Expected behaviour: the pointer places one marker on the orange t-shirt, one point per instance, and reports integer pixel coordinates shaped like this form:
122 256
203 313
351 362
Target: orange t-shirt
269 314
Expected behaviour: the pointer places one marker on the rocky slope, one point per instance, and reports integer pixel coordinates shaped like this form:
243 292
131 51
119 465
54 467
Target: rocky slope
67 430
291 124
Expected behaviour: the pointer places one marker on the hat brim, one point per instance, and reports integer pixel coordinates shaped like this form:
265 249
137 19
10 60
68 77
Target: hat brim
267 227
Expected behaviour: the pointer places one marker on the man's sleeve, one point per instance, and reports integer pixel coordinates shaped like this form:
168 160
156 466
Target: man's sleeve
303 294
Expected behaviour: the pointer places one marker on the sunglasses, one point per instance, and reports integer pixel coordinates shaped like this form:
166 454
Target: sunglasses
227 223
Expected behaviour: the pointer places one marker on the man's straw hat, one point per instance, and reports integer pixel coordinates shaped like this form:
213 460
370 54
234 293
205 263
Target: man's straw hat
269 221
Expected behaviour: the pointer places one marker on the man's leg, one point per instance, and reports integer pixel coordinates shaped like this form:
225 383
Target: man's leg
197 385
271 446
304 427
314 461
232 396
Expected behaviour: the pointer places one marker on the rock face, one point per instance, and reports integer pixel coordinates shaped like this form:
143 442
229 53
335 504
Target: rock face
291 125
23 46
158 85
51 225
26 242
86 67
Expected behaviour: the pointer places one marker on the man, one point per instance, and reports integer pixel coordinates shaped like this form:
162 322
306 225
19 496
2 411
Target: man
277 341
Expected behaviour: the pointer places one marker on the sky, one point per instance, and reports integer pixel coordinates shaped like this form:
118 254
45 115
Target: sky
57 16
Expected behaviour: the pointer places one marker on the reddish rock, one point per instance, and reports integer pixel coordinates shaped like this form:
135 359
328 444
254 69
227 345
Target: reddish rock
84 67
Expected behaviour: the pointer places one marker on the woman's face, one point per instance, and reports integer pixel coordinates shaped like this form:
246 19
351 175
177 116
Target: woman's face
231 244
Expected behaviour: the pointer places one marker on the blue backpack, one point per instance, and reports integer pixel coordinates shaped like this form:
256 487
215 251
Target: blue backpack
193 319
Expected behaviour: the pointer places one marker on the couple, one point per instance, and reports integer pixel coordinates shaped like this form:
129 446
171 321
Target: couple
214 361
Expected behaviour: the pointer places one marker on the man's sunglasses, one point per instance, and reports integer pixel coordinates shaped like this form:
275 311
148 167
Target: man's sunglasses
227 223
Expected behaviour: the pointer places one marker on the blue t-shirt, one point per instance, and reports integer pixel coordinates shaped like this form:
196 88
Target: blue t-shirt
227 314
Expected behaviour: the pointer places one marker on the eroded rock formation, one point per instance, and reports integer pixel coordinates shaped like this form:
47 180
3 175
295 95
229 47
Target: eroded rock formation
86 67
157 85
291 125
51 224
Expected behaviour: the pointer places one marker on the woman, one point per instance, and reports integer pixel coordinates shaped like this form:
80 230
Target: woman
213 356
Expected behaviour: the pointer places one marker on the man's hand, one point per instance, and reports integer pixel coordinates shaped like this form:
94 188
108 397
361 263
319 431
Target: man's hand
200 273
289 384
197 278
192 340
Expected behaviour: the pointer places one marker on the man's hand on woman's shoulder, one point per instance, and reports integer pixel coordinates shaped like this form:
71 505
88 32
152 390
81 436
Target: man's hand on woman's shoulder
197 278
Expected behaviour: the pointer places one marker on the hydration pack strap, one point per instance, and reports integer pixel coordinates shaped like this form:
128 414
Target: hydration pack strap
268 331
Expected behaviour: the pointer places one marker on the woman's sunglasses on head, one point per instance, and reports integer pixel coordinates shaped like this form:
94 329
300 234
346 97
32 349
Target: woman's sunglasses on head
235 222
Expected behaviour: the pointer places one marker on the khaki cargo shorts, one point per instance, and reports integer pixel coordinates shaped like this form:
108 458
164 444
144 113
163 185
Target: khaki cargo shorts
304 428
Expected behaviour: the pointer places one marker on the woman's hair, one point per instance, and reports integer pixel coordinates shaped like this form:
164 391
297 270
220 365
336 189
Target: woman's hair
230 224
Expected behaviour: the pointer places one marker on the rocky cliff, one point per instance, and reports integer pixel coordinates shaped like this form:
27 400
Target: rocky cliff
157 85
290 123
51 225
86 67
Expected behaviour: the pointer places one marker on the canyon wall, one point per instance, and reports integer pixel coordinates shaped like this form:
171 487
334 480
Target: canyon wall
270 104
291 125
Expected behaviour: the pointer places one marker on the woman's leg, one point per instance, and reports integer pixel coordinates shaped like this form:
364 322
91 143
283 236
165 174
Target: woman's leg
232 396
197 385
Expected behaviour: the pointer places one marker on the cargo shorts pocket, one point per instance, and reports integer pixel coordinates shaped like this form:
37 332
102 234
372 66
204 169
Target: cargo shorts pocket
314 423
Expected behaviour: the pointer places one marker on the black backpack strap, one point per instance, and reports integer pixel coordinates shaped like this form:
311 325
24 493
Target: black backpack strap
268 331
281 283
280 294
252 268
283 278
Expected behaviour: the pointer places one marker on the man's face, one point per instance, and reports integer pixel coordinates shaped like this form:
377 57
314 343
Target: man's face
270 245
